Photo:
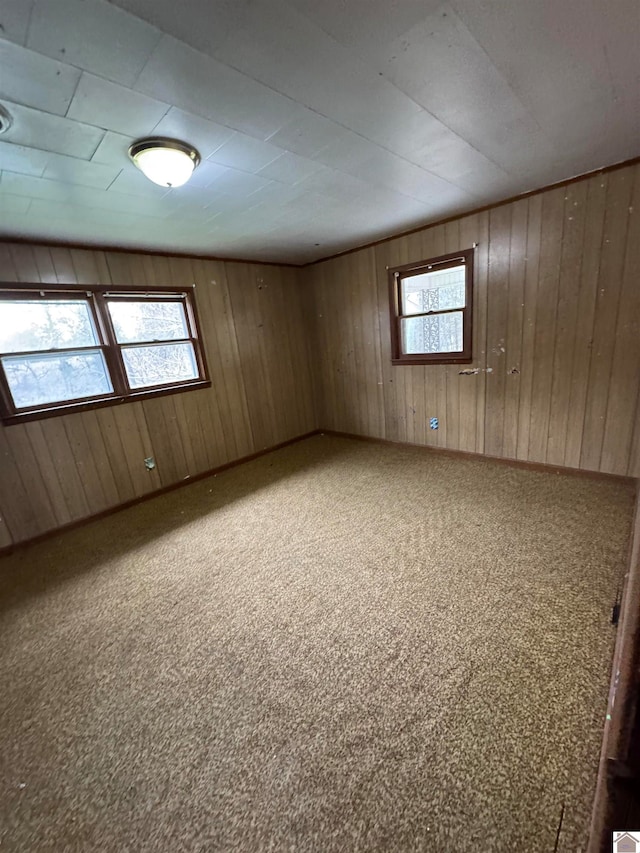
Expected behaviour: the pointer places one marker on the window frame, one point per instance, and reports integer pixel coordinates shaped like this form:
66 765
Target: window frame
396 276
96 297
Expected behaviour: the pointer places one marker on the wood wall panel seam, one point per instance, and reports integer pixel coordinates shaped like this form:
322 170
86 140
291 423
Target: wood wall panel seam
540 309
82 463
616 212
162 490
575 400
617 432
624 243
581 364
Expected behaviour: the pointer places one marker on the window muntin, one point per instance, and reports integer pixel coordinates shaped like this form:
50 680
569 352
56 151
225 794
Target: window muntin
154 339
431 310
62 349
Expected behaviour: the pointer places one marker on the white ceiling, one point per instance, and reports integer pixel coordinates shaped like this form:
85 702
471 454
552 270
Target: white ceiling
322 124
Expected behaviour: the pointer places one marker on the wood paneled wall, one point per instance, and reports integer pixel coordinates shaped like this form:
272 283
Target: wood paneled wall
59 470
556 342
556 336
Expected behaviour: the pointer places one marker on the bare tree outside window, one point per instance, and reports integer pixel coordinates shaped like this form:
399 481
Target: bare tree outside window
150 323
60 348
51 352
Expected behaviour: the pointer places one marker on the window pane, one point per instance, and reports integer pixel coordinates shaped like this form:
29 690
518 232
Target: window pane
30 324
436 333
148 321
160 365
439 290
52 378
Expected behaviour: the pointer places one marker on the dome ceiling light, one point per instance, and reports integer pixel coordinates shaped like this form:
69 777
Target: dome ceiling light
167 162
5 119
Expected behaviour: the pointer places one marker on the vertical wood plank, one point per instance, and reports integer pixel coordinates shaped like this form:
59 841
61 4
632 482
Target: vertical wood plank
44 265
587 295
164 432
137 446
226 360
20 448
548 279
248 333
567 317
452 371
82 453
512 364
371 317
625 368
63 265
6 540
481 307
213 308
18 512
619 189
500 220
24 264
62 457
468 383
527 364
388 255
48 470
7 264
113 443
102 463
85 266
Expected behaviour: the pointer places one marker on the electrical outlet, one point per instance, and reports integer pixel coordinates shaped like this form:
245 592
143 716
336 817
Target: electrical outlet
150 463
433 423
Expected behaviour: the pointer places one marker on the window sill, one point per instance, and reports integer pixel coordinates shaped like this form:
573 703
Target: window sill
433 360
86 405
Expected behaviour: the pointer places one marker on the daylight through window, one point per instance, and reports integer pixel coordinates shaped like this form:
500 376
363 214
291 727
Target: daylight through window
60 349
431 310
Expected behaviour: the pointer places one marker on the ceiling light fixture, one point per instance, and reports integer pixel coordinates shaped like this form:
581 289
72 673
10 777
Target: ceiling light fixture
5 119
167 162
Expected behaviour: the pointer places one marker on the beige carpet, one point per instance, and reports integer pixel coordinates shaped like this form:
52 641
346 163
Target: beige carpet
338 647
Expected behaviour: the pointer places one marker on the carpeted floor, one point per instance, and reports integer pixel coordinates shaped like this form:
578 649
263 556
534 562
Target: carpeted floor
338 647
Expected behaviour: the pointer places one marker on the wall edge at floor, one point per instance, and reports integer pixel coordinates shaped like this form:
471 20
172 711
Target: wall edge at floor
543 467
616 731
202 475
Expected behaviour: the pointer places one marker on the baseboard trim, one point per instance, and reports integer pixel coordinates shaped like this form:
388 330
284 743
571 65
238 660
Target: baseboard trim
80 522
514 463
469 454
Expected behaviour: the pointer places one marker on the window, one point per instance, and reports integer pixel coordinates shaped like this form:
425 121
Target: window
63 349
431 310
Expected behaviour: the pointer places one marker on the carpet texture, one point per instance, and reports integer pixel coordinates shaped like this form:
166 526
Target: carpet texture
337 647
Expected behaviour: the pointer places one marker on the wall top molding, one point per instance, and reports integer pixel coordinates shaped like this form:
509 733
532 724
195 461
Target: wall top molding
431 224
132 250
471 212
